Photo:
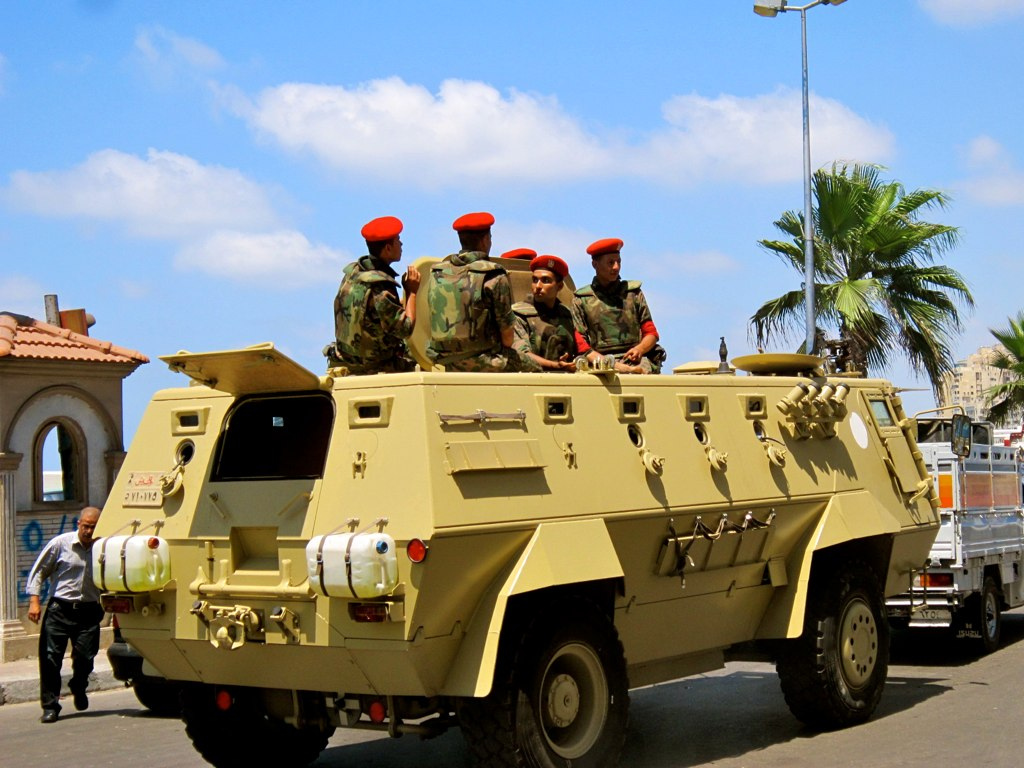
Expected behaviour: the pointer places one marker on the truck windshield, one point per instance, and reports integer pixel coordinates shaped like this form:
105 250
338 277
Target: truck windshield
276 437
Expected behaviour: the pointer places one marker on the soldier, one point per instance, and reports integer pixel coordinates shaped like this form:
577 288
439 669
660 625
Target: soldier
612 315
471 321
545 334
370 322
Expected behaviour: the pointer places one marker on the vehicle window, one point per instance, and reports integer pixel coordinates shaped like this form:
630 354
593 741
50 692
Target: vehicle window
880 410
279 437
935 431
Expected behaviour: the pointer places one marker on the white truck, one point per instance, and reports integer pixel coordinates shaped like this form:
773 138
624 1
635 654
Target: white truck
974 570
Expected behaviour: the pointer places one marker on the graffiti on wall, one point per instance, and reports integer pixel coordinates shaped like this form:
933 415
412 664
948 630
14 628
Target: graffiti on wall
33 533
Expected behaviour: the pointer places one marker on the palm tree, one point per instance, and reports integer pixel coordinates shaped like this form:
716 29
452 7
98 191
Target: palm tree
877 286
1008 398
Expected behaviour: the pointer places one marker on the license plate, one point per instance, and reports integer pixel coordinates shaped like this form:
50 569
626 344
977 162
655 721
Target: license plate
143 490
931 616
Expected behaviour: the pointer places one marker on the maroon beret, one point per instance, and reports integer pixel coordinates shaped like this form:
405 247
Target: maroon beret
552 264
473 222
601 247
519 253
379 230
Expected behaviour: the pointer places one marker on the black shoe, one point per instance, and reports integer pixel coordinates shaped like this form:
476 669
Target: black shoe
81 700
49 716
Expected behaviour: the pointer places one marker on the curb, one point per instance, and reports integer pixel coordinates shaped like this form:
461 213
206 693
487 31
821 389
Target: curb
25 690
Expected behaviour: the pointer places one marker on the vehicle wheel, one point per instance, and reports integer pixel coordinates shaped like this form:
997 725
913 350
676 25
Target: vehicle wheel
981 618
243 735
833 674
160 696
562 701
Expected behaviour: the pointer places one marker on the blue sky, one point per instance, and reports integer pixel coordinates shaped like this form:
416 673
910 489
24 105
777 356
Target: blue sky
196 174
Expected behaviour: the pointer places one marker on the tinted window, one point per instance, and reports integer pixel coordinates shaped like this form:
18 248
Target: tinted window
279 437
883 418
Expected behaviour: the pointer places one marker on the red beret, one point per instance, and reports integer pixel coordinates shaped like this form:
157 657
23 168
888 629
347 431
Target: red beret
379 230
601 247
473 222
552 264
519 253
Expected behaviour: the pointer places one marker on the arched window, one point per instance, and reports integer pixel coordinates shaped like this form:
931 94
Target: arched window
59 463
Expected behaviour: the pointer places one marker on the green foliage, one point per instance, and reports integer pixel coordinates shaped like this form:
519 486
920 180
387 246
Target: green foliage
877 284
1008 398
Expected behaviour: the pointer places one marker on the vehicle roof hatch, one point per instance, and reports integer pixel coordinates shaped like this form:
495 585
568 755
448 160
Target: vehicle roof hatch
259 368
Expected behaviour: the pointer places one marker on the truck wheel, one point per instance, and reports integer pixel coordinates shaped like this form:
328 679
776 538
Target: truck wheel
161 697
563 701
981 618
833 674
243 735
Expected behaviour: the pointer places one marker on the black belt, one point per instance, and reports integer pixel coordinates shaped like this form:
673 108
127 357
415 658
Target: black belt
74 605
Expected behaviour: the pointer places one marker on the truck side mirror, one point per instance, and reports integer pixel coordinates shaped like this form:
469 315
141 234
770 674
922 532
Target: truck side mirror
961 439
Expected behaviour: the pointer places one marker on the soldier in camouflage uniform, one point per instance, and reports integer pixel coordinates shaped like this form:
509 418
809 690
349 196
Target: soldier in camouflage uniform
471 322
545 334
370 322
612 316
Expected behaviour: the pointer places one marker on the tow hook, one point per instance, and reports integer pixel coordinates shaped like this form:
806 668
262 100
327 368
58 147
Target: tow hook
230 626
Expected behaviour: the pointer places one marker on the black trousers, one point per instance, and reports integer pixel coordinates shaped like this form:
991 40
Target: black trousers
78 623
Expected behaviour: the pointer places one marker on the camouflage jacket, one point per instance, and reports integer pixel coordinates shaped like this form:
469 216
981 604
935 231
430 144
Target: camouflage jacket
548 333
369 320
611 318
470 302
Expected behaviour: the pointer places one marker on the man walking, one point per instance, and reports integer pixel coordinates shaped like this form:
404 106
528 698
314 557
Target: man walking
72 614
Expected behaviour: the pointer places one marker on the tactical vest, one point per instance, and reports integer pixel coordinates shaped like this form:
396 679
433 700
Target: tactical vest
354 344
548 339
611 329
461 319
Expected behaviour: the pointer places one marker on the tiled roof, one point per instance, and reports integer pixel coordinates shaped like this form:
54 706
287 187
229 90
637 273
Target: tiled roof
25 337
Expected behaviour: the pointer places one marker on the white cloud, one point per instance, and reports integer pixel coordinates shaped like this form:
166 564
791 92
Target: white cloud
164 195
22 295
975 13
467 133
758 139
166 54
284 258
471 134
995 179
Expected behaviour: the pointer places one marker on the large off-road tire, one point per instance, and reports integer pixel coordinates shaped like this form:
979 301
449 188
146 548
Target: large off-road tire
833 674
243 736
560 700
980 621
161 697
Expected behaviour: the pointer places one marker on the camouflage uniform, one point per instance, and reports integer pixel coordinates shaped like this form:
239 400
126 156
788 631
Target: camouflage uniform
548 333
470 302
611 318
370 324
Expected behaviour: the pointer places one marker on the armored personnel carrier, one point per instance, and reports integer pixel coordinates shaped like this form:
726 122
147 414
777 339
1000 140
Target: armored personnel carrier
508 554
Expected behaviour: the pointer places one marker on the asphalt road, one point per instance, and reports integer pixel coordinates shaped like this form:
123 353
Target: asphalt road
940 707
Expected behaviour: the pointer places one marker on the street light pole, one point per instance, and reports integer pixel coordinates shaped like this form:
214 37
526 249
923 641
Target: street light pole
771 8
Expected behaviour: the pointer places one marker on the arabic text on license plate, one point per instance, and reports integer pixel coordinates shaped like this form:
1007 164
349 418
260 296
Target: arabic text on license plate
143 490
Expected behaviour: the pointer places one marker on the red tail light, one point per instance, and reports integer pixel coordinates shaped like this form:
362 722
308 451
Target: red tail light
116 604
937 580
369 612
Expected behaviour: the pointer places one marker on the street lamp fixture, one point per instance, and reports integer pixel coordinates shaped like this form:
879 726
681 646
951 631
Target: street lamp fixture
771 9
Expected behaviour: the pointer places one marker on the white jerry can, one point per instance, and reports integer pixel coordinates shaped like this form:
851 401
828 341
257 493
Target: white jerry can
356 565
131 563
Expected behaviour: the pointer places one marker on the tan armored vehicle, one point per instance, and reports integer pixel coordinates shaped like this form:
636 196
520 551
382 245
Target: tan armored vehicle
505 553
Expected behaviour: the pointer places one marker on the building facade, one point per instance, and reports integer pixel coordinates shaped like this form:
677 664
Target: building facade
969 383
61 444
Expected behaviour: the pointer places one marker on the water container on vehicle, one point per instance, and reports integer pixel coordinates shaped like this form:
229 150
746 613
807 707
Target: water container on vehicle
136 563
357 565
